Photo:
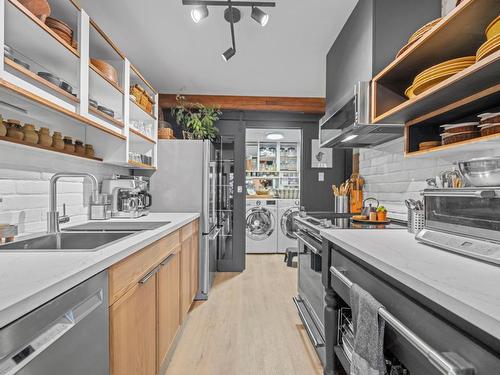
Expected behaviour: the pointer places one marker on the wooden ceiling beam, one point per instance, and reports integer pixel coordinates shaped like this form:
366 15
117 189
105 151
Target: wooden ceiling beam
251 103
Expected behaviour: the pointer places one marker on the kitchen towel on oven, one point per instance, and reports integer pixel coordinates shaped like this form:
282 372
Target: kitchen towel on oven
368 353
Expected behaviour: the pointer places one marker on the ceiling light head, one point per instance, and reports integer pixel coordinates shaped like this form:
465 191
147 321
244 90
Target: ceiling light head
275 136
199 13
260 16
230 52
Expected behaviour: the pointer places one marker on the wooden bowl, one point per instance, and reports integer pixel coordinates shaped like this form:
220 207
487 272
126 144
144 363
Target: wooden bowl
459 137
40 8
428 144
106 69
460 128
489 118
494 129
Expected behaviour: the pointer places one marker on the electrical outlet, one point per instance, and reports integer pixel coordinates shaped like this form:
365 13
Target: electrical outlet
240 189
321 176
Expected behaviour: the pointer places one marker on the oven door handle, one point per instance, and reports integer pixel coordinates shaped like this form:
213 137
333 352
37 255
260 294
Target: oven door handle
445 363
313 248
315 342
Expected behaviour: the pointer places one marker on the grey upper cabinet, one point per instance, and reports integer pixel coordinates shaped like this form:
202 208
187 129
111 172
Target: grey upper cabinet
370 40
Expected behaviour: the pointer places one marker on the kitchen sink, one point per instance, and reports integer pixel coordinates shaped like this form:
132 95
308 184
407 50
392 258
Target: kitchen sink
67 242
116 226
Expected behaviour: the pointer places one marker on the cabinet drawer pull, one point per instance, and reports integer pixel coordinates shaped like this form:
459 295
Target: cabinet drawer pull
167 259
145 279
445 363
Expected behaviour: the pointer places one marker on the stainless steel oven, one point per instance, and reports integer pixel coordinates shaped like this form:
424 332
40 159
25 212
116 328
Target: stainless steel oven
310 301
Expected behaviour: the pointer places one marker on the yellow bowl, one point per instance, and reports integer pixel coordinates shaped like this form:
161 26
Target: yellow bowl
452 68
431 82
460 60
493 28
489 47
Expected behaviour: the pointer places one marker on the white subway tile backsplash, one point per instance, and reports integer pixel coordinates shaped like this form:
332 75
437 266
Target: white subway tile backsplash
24 187
392 178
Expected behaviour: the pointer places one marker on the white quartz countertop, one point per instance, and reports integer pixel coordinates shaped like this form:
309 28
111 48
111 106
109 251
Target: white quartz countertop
29 279
464 286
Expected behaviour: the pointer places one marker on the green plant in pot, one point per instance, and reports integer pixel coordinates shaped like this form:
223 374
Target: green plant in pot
195 118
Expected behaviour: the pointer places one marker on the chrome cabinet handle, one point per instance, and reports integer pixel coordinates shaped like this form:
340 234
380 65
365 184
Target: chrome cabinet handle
167 260
461 194
446 363
315 341
306 241
145 279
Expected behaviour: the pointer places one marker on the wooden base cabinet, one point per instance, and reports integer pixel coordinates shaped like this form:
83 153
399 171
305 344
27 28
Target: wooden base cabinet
133 331
151 292
168 304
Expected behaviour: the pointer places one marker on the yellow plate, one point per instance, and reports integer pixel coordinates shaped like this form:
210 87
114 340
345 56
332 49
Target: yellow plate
493 28
464 60
454 69
431 82
417 34
488 48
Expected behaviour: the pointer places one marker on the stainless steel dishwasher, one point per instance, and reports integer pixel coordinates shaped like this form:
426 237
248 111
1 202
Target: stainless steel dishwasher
67 335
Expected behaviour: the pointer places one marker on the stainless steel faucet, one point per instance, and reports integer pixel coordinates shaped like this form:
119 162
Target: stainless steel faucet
53 215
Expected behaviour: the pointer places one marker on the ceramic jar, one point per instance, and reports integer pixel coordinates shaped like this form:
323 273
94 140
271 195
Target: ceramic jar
30 135
57 141
15 130
89 151
79 149
44 137
3 128
69 146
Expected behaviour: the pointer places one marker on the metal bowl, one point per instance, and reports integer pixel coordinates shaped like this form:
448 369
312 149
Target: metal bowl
481 171
66 87
93 103
107 111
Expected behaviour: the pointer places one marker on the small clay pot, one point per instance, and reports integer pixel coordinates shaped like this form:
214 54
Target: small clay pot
57 141
3 128
30 135
44 137
381 215
69 146
89 151
79 148
15 130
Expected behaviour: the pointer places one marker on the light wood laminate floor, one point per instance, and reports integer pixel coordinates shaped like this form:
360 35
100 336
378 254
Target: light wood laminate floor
249 325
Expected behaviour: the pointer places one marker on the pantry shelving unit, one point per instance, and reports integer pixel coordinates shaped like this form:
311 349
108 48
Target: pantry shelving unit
459 98
26 96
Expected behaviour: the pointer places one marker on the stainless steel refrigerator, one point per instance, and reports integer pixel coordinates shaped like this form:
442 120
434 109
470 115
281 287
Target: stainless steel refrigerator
186 182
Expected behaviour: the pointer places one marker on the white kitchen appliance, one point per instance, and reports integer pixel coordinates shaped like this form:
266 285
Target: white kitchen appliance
261 226
287 210
186 181
127 194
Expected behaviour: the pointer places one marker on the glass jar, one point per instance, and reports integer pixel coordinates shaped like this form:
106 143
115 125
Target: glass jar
30 134
44 137
79 148
15 130
69 146
57 141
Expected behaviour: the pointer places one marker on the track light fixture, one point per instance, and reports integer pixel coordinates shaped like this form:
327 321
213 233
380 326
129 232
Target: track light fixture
260 16
231 15
230 52
199 13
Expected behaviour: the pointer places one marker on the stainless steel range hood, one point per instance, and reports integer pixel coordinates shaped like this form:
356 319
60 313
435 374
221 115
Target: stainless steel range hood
347 125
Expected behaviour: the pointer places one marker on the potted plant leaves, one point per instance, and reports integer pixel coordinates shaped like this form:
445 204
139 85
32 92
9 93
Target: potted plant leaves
196 119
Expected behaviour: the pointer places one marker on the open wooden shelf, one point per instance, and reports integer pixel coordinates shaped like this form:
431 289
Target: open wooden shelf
106 117
458 34
140 135
112 83
39 80
136 164
21 97
11 140
44 27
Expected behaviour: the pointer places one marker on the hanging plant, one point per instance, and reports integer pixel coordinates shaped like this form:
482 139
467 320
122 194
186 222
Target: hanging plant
196 118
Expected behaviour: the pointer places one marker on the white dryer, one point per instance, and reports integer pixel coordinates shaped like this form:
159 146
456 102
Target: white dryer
287 210
261 226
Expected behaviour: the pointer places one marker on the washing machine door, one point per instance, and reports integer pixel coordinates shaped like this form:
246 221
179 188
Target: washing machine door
288 225
260 223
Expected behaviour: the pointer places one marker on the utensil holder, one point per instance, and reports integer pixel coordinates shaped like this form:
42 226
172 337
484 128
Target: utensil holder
417 222
341 204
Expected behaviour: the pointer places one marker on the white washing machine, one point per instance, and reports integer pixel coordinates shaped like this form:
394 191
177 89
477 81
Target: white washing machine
287 210
261 226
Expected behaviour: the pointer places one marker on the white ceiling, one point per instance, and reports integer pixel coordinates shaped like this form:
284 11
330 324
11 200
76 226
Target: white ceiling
285 58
